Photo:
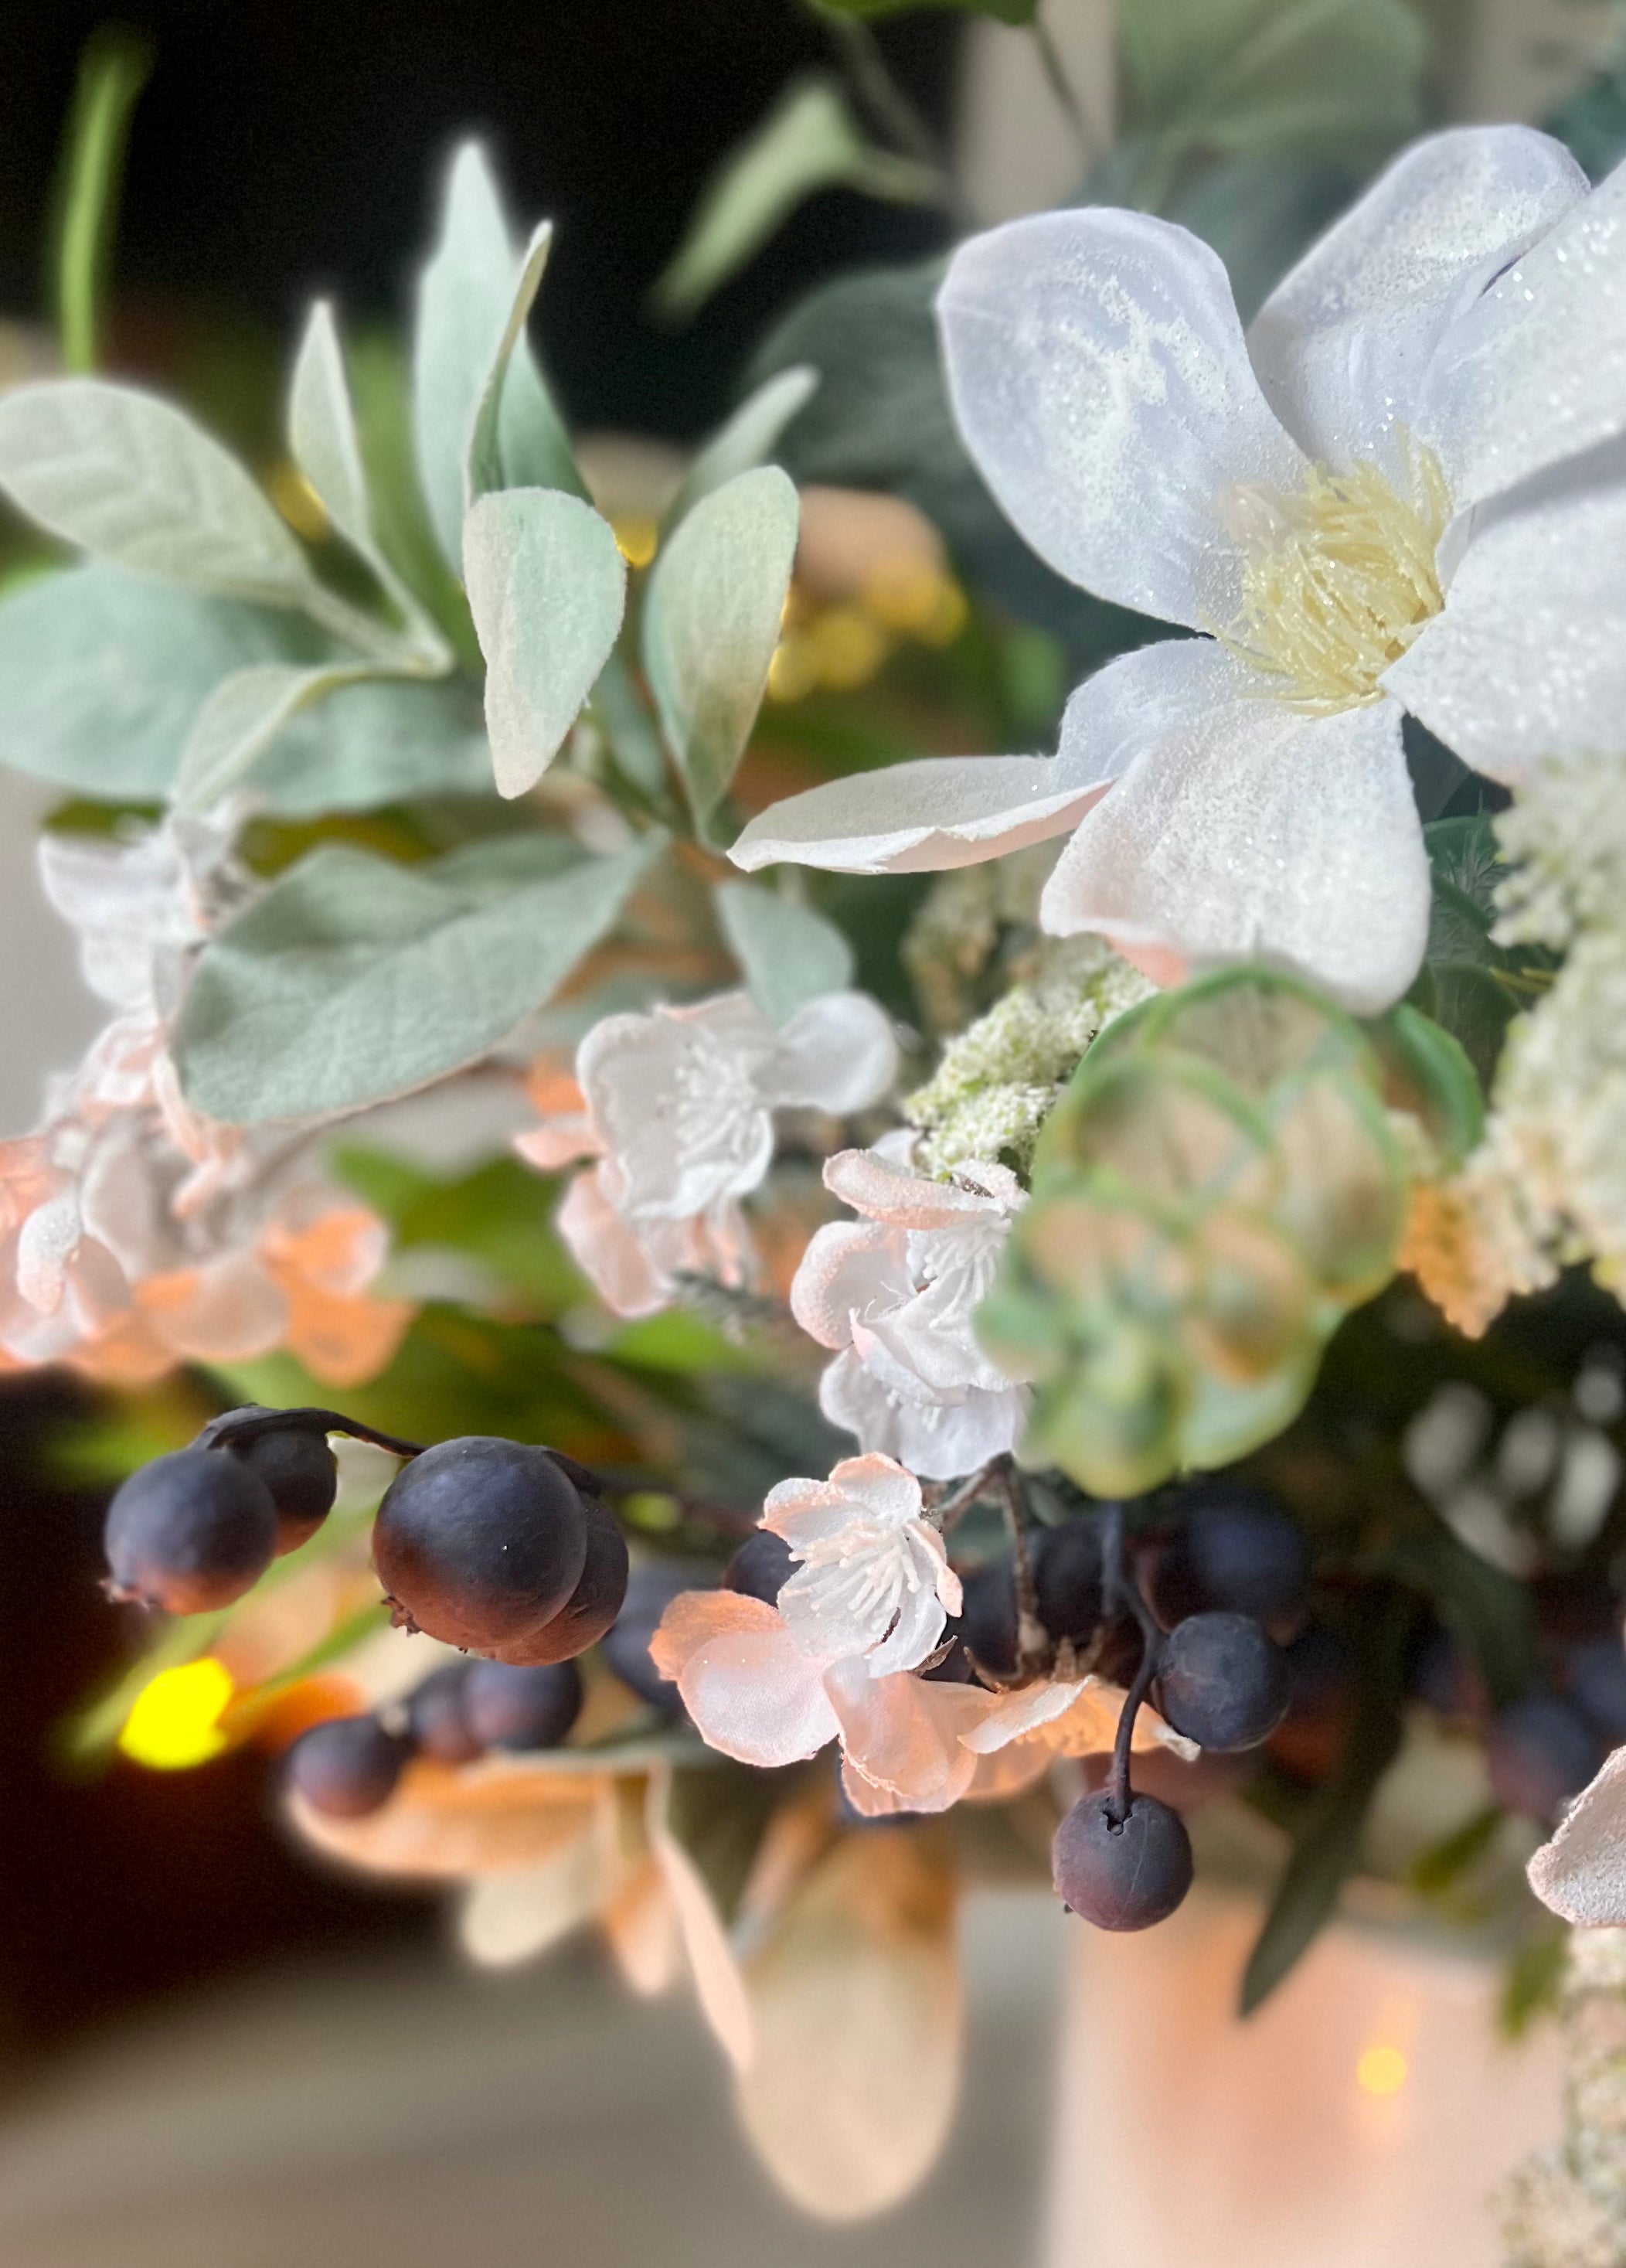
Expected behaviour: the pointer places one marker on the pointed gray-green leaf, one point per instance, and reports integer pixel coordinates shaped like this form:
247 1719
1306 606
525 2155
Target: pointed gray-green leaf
102 674
375 742
354 979
464 298
321 429
240 718
547 586
483 468
711 622
809 141
130 480
747 440
789 953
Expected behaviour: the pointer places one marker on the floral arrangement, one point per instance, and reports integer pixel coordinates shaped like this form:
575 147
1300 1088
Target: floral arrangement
1069 1327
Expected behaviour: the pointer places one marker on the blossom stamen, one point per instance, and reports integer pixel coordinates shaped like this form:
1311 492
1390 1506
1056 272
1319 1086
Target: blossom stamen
1338 579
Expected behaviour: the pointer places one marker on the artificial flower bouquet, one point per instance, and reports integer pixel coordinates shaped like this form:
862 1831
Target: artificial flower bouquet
1065 1327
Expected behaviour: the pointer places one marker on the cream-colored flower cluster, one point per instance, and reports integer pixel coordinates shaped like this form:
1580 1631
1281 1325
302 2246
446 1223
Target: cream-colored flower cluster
1567 2207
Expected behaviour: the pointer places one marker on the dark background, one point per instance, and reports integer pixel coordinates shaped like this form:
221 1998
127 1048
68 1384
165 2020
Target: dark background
284 146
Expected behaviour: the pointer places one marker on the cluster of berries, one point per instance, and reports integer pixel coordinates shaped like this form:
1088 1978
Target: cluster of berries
497 1547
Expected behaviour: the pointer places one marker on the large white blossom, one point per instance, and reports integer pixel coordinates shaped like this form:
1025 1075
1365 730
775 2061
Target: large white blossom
676 1109
895 1295
1393 494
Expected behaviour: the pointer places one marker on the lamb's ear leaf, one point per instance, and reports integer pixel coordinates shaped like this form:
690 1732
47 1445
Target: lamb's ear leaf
789 953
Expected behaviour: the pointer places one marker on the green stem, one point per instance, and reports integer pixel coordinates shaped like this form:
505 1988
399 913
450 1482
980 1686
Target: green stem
1066 95
873 82
112 71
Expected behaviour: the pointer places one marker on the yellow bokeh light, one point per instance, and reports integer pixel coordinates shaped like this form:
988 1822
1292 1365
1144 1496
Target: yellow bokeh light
175 1722
637 537
1381 2070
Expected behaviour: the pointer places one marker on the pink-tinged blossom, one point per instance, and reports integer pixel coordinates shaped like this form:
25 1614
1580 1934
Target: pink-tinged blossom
675 1110
1395 494
834 1661
895 1297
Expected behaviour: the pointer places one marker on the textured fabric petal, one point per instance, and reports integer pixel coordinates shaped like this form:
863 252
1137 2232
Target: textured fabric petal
1529 655
871 1489
919 818
225 1311
849 1268
695 1618
1098 372
641 1930
837 1053
939 1440
917 1632
719 1986
758 1697
611 1255
873 1185
1256 832
675 1096
1581 1873
1029 1710
1342 344
907 1734
507 1918
1534 371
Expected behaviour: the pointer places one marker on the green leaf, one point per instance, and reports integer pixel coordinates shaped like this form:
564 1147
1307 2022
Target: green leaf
467 299
354 979
115 65
547 586
1491 1615
518 440
809 141
1327 1843
711 621
1253 77
747 440
373 743
321 430
1434 1079
789 953
500 1215
102 674
130 480
239 720
1469 984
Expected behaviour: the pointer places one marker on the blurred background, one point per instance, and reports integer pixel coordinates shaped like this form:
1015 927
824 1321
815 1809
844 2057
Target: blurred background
212 2055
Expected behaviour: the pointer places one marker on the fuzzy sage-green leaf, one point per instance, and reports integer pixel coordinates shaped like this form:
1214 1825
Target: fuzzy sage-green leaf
355 979
711 621
789 953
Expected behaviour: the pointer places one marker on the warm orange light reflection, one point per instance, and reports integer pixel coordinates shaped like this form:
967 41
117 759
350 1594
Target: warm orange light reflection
1380 2071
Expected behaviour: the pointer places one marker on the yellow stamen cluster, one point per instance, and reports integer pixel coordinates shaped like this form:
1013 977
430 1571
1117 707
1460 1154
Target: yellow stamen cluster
1338 579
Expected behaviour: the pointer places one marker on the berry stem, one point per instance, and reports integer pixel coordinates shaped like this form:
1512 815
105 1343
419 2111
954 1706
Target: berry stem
1119 1590
239 1426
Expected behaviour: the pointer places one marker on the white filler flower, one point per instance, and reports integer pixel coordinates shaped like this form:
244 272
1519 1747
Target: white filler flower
895 1294
1391 495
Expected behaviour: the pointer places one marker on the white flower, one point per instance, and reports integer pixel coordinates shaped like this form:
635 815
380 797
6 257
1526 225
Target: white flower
1379 500
873 1579
1581 1873
895 1296
677 1107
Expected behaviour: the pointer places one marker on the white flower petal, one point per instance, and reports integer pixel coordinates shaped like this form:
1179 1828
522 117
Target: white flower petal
870 1488
849 1268
1342 344
919 818
1529 656
874 1185
1534 371
837 1053
906 1735
938 1440
675 1096
757 1697
1256 832
615 1258
1581 1873
1098 372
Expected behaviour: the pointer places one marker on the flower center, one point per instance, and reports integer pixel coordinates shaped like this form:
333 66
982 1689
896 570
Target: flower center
1338 579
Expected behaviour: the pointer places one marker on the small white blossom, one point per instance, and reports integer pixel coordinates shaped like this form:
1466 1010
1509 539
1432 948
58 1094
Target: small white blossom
1312 497
872 1580
677 1109
896 1297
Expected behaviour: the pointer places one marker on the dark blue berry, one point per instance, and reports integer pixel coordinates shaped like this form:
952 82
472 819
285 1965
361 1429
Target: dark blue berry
436 1724
1539 1753
348 1767
651 1590
1066 1565
480 1541
988 1621
1121 1874
1595 1674
1238 1550
592 1607
506 1707
759 1566
1221 1682
192 1530
302 1473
